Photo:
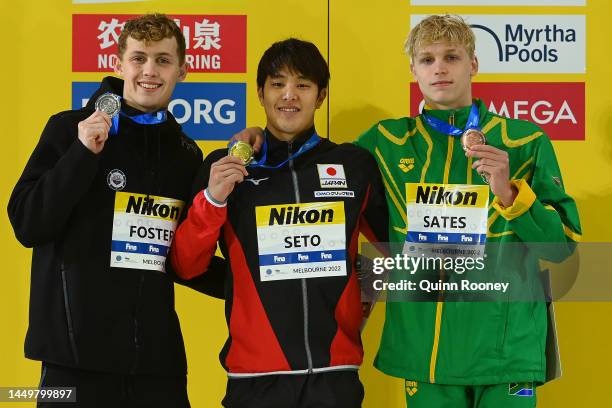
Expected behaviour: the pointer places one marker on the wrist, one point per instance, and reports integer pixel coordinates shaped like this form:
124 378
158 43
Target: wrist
214 199
507 197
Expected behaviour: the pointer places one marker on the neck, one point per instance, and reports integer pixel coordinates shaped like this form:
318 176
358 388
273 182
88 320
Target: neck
290 137
459 104
143 109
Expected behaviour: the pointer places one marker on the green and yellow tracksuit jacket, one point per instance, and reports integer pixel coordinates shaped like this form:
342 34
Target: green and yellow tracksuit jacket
475 343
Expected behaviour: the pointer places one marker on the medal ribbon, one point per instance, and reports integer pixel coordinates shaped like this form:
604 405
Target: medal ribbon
143 119
308 145
448 129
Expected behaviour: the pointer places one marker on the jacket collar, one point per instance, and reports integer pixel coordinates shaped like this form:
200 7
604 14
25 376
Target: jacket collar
460 116
279 150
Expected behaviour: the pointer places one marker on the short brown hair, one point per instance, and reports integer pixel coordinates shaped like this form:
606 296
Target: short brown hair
150 28
448 28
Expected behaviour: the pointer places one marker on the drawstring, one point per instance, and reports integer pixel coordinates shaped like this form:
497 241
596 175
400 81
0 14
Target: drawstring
158 164
147 161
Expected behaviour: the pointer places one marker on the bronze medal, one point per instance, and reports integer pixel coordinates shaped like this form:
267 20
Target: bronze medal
472 137
242 150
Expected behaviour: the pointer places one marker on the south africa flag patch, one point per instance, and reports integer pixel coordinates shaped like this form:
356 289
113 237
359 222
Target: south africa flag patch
521 389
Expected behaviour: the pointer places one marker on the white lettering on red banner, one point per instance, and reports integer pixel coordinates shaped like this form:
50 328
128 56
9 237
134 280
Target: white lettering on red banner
557 107
213 43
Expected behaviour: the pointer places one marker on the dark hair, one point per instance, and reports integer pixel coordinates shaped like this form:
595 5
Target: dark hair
151 28
297 56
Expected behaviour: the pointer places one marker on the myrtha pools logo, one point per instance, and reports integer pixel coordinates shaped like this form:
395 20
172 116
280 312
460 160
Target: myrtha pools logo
528 43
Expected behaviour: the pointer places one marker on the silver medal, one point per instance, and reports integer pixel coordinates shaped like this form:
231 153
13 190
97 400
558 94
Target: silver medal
108 103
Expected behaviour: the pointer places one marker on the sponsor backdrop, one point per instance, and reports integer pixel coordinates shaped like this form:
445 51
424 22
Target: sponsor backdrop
541 60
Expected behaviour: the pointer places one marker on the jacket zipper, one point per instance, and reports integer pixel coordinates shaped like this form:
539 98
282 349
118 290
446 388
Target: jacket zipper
136 340
73 347
304 287
440 303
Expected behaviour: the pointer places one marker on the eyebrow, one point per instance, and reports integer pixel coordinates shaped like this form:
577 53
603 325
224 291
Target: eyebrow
159 54
427 53
282 76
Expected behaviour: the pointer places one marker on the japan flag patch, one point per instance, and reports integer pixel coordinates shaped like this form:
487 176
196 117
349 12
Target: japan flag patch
331 175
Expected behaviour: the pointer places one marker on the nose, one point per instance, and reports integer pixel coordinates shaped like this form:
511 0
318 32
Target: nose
289 93
440 67
149 68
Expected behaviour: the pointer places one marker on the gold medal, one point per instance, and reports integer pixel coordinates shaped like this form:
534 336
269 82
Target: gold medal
472 137
242 150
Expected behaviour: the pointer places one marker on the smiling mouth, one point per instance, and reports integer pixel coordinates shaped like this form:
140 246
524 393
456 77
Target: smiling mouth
289 109
148 85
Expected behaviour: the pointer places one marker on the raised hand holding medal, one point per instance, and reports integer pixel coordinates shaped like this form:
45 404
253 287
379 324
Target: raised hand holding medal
93 131
495 163
471 135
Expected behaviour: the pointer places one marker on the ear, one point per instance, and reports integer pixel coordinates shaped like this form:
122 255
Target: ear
321 97
118 67
412 68
260 95
474 69
182 72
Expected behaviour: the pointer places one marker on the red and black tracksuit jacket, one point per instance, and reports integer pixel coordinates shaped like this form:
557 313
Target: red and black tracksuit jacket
284 326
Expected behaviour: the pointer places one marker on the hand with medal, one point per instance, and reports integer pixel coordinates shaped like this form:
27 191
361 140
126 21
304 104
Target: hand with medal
93 131
253 136
224 175
494 164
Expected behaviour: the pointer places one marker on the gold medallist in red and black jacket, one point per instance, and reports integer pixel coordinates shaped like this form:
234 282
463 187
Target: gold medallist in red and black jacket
288 325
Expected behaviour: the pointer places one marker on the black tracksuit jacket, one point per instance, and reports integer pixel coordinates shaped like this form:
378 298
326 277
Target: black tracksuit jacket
84 313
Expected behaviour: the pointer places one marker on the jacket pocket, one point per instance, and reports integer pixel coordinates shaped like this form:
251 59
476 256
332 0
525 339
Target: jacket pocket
503 327
73 347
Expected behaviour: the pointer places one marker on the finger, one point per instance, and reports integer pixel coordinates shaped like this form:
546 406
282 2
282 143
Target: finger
229 173
107 119
258 140
499 161
489 155
489 162
485 149
102 137
487 170
92 132
225 166
486 162
228 159
98 120
99 115
242 136
235 178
